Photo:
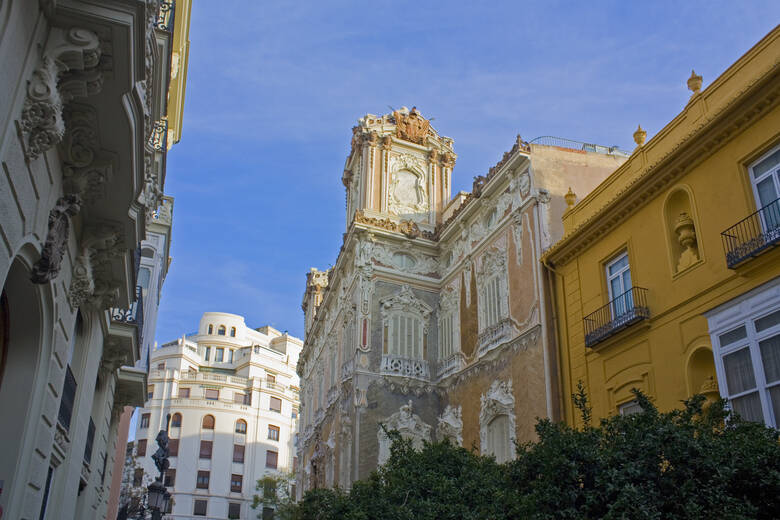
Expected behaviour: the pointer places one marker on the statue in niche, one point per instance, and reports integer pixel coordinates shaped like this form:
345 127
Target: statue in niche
686 235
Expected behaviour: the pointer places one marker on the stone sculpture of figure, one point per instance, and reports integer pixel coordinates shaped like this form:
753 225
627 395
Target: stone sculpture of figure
48 266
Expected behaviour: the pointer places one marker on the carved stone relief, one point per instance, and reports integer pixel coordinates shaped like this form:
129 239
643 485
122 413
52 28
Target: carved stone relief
406 423
68 56
91 282
405 301
450 425
48 266
85 170
407 193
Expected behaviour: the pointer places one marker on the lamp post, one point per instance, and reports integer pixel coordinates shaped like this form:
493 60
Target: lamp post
158 497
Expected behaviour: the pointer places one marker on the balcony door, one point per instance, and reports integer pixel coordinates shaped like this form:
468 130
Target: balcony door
765 176
619 284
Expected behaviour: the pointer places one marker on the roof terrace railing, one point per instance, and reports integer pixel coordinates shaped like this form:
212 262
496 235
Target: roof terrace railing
753 235
623 311
561 142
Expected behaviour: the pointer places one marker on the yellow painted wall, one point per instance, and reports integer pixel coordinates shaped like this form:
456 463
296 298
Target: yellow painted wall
701 156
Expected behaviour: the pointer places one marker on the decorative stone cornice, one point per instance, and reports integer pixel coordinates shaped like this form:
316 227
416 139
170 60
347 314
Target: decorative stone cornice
68 68
408 228
699 143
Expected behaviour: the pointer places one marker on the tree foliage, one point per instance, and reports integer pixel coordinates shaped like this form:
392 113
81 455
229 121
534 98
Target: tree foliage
696 462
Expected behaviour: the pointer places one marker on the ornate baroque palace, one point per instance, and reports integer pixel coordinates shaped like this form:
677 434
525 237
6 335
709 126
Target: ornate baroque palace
433 319
91 98
232 395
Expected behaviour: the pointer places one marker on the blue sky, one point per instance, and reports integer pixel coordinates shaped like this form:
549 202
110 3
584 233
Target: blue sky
275 87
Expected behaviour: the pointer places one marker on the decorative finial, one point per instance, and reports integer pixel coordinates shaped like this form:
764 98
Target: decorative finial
694 82
570 198
640 136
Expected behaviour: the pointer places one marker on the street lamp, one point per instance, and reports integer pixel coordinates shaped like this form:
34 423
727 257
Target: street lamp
158 497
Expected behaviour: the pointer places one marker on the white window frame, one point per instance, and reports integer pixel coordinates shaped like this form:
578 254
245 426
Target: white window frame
619 276
774 173
403 347
744 311
447 332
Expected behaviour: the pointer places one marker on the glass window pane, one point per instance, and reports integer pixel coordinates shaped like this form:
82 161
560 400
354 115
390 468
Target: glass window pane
766 165
739 371
767 321
733 336
617 287
774 397
770 357
618 264
748 407
766 191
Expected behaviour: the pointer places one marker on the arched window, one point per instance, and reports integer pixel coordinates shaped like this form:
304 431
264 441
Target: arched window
232 332
176 420
208 422
222 330
240 426
211 329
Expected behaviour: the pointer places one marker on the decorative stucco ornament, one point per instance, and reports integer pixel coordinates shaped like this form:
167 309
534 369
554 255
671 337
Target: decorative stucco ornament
694 83
499 400
64 73
406 423
450 425
49 264
411 125
639 136
686 235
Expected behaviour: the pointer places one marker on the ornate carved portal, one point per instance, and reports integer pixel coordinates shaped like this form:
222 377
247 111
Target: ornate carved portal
408 425
497 421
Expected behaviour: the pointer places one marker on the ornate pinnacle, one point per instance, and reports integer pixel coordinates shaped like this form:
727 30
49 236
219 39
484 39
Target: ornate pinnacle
694 82
640 136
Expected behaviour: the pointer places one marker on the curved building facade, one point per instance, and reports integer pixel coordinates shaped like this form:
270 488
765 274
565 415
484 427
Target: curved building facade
232 394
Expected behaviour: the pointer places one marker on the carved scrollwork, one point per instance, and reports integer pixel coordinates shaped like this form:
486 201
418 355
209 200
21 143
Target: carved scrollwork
48 266
450 425
91 282
70 58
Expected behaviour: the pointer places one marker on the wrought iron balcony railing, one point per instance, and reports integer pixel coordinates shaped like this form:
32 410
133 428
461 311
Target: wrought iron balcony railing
165 15
623 311
132 316
753 235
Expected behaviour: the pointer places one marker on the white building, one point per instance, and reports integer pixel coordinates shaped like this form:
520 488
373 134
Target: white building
232 394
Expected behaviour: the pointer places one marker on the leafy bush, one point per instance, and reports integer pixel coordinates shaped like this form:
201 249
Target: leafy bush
696 462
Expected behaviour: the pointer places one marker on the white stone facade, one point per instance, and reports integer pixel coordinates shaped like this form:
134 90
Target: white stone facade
84 94
243 374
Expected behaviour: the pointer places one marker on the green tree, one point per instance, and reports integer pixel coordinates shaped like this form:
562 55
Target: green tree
696 462
275 494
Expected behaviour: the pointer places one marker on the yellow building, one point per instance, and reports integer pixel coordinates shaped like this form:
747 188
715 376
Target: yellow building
666 278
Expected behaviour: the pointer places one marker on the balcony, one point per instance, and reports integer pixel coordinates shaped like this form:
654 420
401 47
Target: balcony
622 312
753 235
495 335
400 366
132 316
